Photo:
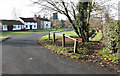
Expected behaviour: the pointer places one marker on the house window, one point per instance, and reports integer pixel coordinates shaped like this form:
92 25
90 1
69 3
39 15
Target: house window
34 26
26 26
46 24
5 27
18 26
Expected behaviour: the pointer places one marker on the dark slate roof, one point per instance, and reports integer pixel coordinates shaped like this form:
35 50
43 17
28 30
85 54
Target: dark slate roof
32 20
28 19
43 19
11 22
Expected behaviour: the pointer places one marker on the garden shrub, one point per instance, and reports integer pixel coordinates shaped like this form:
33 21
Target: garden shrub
112 36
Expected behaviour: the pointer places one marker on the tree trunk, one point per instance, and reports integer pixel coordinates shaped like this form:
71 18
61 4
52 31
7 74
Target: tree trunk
82 34
73 25
88 20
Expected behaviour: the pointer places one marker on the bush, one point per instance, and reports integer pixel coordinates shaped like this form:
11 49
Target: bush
91 33
111 36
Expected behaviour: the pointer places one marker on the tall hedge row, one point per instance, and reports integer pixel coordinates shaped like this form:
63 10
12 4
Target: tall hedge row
111 32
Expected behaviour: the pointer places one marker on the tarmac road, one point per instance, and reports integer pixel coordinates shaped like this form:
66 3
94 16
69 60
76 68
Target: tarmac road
22 55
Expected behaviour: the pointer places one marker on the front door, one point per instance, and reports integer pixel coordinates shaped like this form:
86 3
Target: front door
30 27
10 27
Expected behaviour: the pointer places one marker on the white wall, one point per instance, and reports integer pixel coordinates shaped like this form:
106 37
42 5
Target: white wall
22 26
4 27
34 25
47 24
17 27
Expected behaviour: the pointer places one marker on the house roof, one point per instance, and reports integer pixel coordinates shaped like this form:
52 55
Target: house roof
11 22
43 19
28 19
32 20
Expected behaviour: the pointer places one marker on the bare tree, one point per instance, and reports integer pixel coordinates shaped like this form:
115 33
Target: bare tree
107 9
95 23
70 9
67 23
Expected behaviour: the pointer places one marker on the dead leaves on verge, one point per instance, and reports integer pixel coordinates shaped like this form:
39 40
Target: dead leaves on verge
90 55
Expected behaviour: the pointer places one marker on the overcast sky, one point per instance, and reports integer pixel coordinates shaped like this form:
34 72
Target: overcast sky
22 8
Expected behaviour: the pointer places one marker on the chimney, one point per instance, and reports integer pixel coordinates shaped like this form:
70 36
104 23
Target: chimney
44 17
39 16
35 17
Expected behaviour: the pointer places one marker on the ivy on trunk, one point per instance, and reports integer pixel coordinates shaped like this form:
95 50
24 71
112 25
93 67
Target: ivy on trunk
82 22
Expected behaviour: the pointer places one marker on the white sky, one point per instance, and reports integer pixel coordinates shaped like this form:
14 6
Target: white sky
21 7
7 7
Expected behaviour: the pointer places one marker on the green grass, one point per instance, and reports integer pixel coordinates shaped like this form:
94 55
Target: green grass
3 37
98 36
105 54
72 33
14 33
65 50
59 49
47 30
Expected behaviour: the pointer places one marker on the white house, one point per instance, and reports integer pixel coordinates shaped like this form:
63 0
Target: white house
36 23
43 23
47 24
11 25
29 23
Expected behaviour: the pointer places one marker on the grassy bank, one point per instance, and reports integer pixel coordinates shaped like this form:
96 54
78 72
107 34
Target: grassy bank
58 49
90 46
91 52
98 36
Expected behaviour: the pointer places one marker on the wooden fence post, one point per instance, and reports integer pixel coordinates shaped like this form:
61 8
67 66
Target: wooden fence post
49 35
75 45
63 41
53 37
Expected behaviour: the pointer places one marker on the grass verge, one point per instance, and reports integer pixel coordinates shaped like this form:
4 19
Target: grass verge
3 37
47 30
108 56
90 52
98 36
14 33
